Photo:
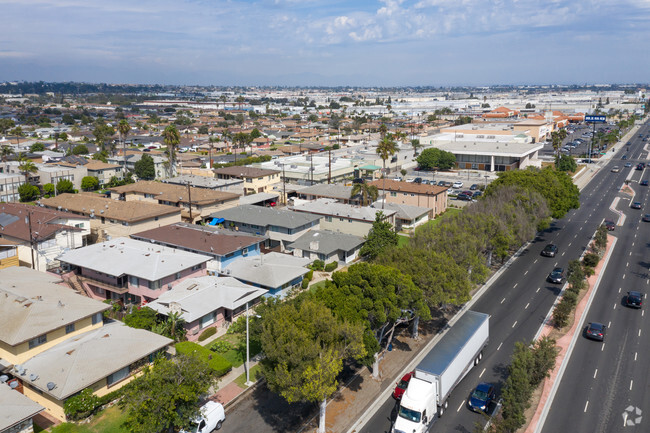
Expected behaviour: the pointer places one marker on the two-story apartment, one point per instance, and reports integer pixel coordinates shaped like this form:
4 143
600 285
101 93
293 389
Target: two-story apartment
8 253
54 343
41 233
16 411
129 270
327 246
255 179
159 162
9 184
280 226
222 245
207 302
114 218
344 218
195 203
433 197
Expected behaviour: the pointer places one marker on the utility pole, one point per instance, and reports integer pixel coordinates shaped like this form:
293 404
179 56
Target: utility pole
311 168
31 237
329 165
284 186
189 196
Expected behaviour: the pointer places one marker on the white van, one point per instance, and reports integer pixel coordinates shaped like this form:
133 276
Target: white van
212 417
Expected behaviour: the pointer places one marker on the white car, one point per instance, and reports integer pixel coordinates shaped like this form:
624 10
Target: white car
457 184
212 417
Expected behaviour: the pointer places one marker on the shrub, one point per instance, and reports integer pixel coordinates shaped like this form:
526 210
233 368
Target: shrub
207 333
331 266
81 405
590 260
305 283
141 318
309 275
318 265
216 362
238 325
561 314
571 297
221 346
589 271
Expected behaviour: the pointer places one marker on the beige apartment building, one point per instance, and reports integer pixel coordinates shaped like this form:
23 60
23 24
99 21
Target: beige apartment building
255 179
433 197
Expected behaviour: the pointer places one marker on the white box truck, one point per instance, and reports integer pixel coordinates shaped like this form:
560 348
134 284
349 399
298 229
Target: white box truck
440 371
212 417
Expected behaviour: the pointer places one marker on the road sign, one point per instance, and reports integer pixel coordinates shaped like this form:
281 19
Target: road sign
596 119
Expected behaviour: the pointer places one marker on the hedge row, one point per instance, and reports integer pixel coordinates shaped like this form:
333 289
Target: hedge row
217 363
85 403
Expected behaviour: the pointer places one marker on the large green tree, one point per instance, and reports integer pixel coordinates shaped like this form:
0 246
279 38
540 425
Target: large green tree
89 183
64 186
434 158
145 168
166 397
555 186
305 346
382 235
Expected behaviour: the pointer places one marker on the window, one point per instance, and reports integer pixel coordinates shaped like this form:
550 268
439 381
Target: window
196 267
154 285
155 219
245 251
134 281
328 219
207 320
35 342
69 328
249 180
97 318
178 275
393 194
118 375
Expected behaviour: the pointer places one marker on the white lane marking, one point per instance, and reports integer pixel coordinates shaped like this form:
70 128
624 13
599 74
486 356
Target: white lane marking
526 307
570 243
535 261
627 264
537 289
642 313
575 236
586 405
462 403
515 324
500 346
619 290
562 254
595 373
639 332
609 325
615 305
481 375
515 286
524 274
631 383
602 348
623 276
635 353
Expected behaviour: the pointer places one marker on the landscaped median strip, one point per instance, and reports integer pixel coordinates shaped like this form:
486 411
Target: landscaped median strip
567 342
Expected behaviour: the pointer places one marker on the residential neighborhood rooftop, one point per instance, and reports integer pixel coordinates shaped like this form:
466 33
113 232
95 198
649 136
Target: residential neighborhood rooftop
243 171
326 242
331 207
15 408
172 193
263 216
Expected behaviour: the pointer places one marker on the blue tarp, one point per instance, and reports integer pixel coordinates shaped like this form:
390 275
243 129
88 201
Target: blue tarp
216 221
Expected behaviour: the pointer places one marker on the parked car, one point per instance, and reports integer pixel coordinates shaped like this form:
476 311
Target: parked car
644 182
474 187
402 385
556 276
481 397
596 331
610 225
417 180
634 299
441 183
458 184
464 197
477 194
549 250
636 205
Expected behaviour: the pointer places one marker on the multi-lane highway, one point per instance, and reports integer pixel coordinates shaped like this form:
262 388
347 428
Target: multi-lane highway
521 298
604 387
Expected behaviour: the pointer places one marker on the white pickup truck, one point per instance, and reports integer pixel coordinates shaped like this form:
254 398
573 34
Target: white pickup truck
212 417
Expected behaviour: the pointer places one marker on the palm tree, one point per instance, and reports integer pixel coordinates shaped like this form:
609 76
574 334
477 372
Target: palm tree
382 130
241 139
416 144
369 193
26 166
123 128
172 138
385 149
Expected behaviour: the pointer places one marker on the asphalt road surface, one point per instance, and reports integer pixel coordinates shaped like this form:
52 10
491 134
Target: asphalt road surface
521 298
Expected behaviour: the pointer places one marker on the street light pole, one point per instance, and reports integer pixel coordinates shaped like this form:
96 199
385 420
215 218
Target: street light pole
248 370
486 178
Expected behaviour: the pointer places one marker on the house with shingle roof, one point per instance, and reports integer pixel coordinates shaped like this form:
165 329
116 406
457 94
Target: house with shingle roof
327 246
16 411
222 245
41 234
195 203
114 218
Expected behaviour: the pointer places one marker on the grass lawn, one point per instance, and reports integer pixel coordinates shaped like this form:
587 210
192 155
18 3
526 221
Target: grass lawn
237 355
402 241
254 375
108 421
317 285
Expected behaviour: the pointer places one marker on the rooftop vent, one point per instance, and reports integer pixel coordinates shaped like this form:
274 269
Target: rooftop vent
51 386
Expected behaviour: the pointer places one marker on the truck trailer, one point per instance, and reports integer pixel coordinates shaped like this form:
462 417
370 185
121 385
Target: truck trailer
440 371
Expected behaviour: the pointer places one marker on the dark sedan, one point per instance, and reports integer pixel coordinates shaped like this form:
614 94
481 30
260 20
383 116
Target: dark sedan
556 276
636 205
549 250
610 225
596 331
646 218
634 299
644 183
481 397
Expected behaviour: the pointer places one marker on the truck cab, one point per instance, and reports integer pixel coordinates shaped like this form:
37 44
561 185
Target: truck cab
418 407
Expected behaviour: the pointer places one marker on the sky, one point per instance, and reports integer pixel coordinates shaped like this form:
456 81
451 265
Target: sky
326 42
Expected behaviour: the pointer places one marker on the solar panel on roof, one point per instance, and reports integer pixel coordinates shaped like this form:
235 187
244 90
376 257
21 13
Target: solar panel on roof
6 219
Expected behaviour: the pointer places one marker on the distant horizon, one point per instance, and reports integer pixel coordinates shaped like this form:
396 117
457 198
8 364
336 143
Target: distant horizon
326 43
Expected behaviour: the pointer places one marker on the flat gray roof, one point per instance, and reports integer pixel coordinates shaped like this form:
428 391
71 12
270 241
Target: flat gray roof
269 270
511 149
338 191
32 304
126 256
200 296
329 206
264 216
